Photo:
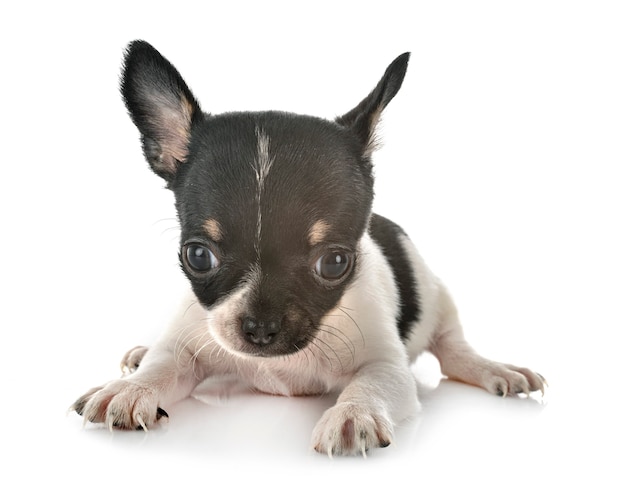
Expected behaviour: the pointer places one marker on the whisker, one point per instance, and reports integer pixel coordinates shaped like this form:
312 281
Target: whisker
193 302
334 352
193 332
343 309
312 342
189 331
197 353
339 334
315 342
317 363
183 332
184 345
347 308
215 349
175 228
306 351
298 350
308 354
167 220
344 339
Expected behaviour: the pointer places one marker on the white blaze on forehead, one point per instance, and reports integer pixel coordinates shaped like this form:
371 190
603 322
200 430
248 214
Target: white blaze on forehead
262 165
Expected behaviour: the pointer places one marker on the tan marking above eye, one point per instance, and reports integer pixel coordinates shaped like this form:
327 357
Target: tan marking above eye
318 232
213 229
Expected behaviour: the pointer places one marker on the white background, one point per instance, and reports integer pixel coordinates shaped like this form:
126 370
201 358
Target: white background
504 157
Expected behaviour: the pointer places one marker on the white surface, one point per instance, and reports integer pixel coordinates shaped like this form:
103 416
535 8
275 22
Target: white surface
504 157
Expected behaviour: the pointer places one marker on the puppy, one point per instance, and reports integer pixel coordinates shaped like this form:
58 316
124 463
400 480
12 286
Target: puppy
297 287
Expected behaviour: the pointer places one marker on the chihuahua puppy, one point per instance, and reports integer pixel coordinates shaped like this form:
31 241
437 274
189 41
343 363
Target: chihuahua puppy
297 287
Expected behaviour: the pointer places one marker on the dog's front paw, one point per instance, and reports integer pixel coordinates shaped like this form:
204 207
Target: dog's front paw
120 404
349 429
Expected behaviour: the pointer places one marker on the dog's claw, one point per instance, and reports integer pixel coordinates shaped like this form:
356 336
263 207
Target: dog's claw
161 413
544 383
142 424
501 390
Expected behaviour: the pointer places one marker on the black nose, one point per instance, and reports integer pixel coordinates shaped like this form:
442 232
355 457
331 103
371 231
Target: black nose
258 331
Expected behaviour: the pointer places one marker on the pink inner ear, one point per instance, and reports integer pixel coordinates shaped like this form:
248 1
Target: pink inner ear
173 127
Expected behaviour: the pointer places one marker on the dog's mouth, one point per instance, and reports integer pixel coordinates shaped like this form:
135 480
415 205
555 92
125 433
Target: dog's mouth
277 349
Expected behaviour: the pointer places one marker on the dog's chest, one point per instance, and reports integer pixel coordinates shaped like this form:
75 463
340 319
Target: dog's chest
290 377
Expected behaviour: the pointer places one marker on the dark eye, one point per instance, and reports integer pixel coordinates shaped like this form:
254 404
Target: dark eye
200 258
333 265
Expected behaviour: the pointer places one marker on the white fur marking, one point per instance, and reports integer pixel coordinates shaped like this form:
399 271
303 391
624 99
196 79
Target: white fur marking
262 166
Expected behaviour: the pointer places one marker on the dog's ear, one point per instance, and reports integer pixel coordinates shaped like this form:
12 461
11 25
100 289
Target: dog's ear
363 118
161 106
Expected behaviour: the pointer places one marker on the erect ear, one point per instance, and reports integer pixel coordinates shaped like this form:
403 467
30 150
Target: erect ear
364 117
161 106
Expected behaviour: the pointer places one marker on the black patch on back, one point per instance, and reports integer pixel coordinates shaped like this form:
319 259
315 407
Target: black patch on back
387 234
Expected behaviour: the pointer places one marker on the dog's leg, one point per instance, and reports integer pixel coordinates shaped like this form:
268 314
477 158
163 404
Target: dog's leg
379 395
168 373
459 361
137 402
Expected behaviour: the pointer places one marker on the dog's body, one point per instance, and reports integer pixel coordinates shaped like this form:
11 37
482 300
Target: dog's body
297 287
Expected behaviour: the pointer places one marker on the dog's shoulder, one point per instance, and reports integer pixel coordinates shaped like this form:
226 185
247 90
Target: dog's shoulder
392 239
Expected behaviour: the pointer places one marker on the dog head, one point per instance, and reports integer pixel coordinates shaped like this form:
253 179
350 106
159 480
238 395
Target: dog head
271 205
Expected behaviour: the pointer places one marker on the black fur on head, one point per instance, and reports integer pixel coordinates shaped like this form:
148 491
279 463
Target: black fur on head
271 204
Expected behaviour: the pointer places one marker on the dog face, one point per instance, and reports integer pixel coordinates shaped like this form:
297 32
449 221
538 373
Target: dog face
272 205
270 230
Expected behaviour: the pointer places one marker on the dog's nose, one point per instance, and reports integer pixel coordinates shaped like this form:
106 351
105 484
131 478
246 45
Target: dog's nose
260 332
